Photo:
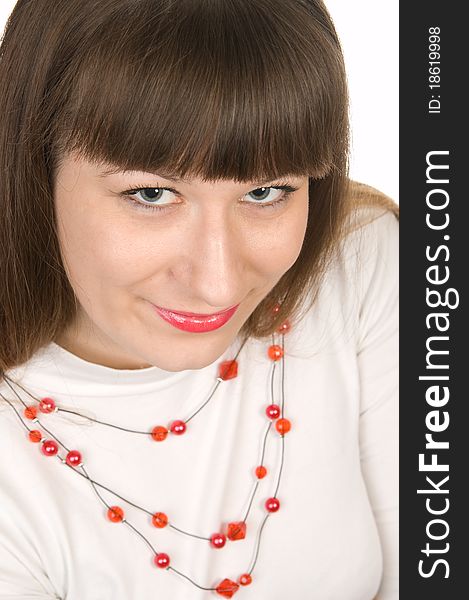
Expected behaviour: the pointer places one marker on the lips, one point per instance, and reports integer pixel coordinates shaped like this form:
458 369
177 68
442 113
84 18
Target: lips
198 315
193 322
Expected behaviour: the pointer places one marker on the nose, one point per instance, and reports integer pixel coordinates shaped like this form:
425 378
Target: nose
214 262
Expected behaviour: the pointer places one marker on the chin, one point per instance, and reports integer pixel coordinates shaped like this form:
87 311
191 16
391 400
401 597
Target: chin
181 365
188 359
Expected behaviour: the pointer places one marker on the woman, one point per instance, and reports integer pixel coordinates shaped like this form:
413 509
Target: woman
161 158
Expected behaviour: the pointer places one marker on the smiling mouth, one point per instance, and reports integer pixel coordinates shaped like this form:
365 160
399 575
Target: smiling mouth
195 323
198 315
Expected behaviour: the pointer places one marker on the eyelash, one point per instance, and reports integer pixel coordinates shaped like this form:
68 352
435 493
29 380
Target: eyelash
127 195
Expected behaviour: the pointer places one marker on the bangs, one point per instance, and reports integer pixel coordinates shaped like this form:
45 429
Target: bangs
213 90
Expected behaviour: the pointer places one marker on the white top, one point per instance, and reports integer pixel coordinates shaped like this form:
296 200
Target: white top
335 536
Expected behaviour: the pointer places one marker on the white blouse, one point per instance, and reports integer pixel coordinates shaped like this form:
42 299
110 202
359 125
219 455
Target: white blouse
335 536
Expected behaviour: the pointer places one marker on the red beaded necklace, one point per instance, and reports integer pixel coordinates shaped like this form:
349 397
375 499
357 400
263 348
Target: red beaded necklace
235 530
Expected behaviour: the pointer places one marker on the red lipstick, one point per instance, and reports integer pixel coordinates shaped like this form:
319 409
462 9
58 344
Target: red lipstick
195 323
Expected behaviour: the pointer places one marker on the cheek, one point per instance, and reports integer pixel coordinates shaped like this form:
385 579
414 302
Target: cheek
105 250
101 251
276 248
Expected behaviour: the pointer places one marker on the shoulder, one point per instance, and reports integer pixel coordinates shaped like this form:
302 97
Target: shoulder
366 203
369 259
371 228
361 280
364 270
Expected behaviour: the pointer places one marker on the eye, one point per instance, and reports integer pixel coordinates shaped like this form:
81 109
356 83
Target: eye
265 193
150 197
282 193
153 195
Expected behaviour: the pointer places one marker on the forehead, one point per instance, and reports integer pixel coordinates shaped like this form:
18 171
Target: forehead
105 172
206 104
78 164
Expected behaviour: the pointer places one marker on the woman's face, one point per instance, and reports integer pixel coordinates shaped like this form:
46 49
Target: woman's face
214 245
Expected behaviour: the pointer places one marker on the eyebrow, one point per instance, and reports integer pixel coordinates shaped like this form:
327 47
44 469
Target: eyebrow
170 177
114 171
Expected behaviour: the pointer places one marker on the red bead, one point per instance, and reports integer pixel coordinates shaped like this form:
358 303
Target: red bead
272 504
73 458
261 472
159 434
49 448
276 308
30 412
159 520
273 411
283 426
275 352
245 579
284 327
228 369
115 514
162 560
227 588
47 405
35 436
236 531
178 427
218 540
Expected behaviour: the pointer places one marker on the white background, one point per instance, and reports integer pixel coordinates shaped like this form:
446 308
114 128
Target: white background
369 33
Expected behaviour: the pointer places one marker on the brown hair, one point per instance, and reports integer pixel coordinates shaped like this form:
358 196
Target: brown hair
222 90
